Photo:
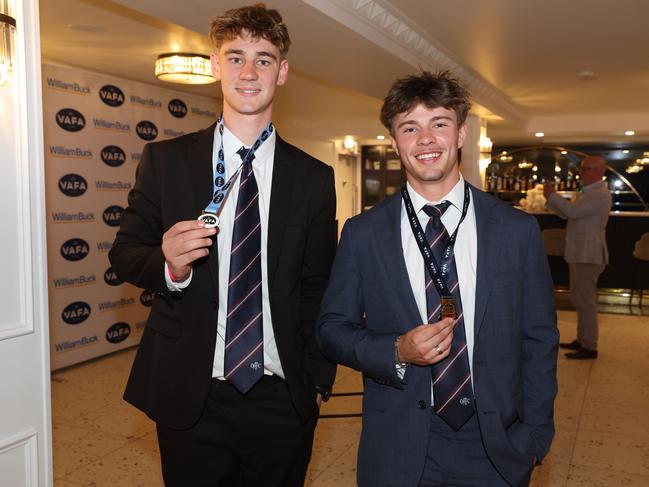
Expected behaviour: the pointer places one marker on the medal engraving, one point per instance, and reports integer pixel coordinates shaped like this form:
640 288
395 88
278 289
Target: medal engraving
210 219
447 305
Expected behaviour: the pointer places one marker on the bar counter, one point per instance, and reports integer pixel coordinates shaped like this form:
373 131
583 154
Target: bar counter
624 228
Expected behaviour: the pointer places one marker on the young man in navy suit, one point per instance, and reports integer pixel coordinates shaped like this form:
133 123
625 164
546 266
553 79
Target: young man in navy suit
227 366
442 297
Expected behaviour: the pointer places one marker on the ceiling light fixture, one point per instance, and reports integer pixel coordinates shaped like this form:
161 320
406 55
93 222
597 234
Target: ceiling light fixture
380 137
629 133
539 134
586 75
7 32
184 67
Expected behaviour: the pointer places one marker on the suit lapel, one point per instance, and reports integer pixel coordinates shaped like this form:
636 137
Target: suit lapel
387 234
200 164
487 224
280 198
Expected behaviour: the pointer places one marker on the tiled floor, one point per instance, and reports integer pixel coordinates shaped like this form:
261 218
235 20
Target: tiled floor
601 415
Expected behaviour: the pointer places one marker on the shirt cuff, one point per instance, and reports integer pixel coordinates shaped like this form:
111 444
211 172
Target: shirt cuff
401 371
176 286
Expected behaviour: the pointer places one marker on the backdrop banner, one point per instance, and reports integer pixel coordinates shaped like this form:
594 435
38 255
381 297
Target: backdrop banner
95 128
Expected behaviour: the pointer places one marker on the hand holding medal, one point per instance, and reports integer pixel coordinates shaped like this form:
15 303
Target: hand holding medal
184 243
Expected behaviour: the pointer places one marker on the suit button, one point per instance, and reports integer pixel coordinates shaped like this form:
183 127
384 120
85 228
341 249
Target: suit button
422 404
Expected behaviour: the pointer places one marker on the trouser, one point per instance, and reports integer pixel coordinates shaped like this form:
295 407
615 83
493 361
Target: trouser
250 440
459 459
583 293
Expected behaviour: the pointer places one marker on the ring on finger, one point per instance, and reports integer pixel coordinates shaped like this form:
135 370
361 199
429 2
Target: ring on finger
439 350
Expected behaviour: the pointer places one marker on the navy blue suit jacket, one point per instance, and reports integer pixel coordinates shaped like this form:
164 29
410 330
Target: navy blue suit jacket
369 302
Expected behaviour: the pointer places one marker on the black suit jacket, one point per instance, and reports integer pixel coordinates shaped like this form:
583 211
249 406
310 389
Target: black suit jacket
171 375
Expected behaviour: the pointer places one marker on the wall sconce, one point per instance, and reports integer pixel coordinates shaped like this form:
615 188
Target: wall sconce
485 146
185 68
350 144
7 31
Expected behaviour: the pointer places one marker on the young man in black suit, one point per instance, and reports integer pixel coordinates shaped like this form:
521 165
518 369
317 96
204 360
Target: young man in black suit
227 365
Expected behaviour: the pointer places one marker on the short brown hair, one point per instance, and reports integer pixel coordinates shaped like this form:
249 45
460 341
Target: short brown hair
257 21
431 90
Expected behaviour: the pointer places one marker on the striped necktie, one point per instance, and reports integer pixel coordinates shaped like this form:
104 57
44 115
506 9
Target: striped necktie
452 388
244 335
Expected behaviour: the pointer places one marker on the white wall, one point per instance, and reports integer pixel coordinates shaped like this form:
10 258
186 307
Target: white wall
25 423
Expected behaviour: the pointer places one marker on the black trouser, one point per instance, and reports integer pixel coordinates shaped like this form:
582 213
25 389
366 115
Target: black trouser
240 441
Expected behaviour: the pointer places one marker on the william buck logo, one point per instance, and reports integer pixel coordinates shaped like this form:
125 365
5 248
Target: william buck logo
75 313
70 119
146 130
112 215
118 332
111 95
177 108
110 277
74 249
113 156
73 185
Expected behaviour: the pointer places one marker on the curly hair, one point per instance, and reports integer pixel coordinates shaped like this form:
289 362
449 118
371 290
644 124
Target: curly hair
257 21
431 90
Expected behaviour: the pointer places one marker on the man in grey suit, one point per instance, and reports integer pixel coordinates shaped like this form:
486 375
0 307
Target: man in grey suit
441 295
585 251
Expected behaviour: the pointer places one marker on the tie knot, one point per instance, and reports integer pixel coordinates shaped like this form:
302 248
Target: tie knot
436 210
243 153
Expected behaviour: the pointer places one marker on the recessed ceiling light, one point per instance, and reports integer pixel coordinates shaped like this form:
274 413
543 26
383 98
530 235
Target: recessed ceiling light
380 137
625 151
629 132
88 28
586 75
539 134
564 152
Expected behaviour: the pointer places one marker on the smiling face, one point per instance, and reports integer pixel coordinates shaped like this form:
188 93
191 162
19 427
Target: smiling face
249 70
427 142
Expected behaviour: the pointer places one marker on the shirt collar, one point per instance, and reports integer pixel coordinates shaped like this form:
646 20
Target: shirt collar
231 144
455 196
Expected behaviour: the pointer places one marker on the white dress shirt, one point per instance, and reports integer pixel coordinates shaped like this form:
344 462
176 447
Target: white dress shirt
262 166
466 254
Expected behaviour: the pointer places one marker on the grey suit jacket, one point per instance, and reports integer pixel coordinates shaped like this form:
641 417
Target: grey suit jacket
586 227
369 302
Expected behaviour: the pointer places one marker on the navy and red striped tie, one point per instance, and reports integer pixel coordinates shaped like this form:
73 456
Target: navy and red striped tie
452 388
244 335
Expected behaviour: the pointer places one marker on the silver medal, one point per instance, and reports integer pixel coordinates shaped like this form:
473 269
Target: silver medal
211 220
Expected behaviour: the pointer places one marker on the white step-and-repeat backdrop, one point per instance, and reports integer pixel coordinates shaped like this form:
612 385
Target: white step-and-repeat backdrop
95 127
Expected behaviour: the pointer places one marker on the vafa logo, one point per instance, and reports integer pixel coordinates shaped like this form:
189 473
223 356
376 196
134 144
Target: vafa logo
113 215
146 298
113 156
70 119
146 130
74 249
73 185
111 95
177 108
118 332
75 313
110 277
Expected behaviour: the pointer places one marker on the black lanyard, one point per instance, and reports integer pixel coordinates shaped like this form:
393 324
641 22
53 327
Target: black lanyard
438 273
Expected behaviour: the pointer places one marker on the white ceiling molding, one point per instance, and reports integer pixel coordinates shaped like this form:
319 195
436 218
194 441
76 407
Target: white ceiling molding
384 25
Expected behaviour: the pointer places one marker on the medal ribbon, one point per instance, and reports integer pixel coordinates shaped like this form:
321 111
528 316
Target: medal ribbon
437 273
221 187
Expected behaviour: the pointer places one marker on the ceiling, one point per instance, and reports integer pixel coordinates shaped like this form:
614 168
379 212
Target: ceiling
521 59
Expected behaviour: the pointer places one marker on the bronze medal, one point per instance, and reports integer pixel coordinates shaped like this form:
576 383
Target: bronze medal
447 307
